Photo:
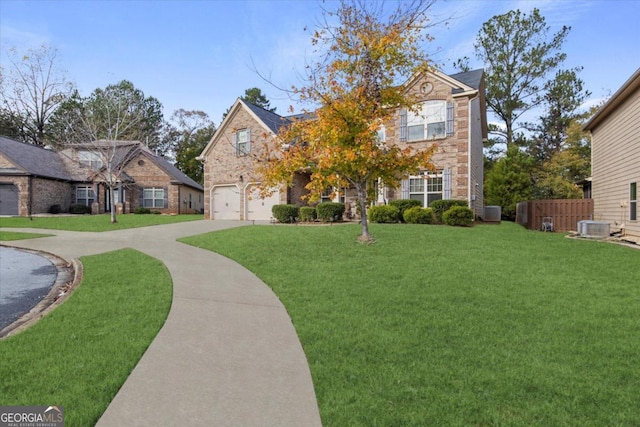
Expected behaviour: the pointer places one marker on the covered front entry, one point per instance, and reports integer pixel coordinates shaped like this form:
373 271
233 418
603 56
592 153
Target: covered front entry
259 209
8 199
225 202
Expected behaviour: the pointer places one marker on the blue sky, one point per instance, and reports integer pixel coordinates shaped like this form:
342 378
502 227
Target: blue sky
200 55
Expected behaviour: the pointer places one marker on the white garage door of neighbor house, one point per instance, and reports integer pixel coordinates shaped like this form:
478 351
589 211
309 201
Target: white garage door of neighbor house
8 199
226 202
260 209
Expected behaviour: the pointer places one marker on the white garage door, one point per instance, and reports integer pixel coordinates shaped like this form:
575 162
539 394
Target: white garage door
8 199
260 209
225 202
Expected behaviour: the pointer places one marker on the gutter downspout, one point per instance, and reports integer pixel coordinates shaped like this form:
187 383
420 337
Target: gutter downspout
30 201
471 188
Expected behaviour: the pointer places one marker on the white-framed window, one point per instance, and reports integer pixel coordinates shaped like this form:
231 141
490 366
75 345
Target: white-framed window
432 120
633 201
334 195
89 159
242 142
428 187
85 195
153 197
382 134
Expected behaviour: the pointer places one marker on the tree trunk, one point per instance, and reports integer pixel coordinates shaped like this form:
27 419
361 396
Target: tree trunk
113 206
362 199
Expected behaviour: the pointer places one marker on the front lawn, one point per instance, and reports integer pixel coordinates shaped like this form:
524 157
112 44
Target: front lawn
434 325
80 354
95 222
12 235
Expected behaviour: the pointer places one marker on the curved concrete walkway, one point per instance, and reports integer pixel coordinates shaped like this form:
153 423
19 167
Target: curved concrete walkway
227 355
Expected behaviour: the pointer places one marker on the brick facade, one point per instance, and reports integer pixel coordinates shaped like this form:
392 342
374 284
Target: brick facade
36 194
459 154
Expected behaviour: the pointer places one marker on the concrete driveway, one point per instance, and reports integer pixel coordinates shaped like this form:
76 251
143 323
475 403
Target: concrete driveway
227 355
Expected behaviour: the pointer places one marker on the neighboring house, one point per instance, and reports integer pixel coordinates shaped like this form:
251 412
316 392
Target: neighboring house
615 159
32 179
452 115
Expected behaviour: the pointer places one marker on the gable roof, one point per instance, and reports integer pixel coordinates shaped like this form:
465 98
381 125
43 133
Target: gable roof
272 120
470 78
34 160
176 174
628 88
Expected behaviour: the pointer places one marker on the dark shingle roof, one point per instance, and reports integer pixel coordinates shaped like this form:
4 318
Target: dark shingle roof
174 172
34 160
470 78
273 121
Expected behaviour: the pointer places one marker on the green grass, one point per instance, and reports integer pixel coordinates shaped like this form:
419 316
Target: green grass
80 354
492 325
95 222
12 235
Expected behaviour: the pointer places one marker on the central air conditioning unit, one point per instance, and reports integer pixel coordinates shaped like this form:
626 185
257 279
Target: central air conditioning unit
594 228
492 213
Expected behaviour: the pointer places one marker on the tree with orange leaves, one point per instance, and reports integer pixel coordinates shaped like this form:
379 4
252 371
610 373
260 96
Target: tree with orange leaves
354 90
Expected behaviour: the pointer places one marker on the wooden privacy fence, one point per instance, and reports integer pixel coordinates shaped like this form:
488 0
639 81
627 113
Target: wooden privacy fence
565 213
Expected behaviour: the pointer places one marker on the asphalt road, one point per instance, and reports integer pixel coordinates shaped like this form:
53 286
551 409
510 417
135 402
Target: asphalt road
25 278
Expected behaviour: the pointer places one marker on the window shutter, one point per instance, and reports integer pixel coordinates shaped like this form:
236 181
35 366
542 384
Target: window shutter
446 184
165 202
405 188
247 148
403 125
141 198
235 143
450 120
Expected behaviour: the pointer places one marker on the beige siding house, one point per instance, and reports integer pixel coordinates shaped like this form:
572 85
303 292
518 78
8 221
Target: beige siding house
615 159
452 114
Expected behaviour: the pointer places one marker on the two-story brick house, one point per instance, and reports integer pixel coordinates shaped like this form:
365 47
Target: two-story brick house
32 179
452 114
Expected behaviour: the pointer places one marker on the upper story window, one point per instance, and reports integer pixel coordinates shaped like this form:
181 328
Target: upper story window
89 159
382 134
433 119
242 142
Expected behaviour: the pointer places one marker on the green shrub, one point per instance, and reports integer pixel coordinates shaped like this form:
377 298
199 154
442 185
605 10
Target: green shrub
141 211
330 211
441 206
285 213
404 204
308 213
458 216
419 215
79 209
387 214
155 212
54 209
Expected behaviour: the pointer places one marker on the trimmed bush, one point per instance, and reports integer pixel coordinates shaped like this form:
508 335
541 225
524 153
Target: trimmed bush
285 213
141 211
404 204
330 211
385 214
79 209
54 209
419 215
441 206
308 213
460 216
